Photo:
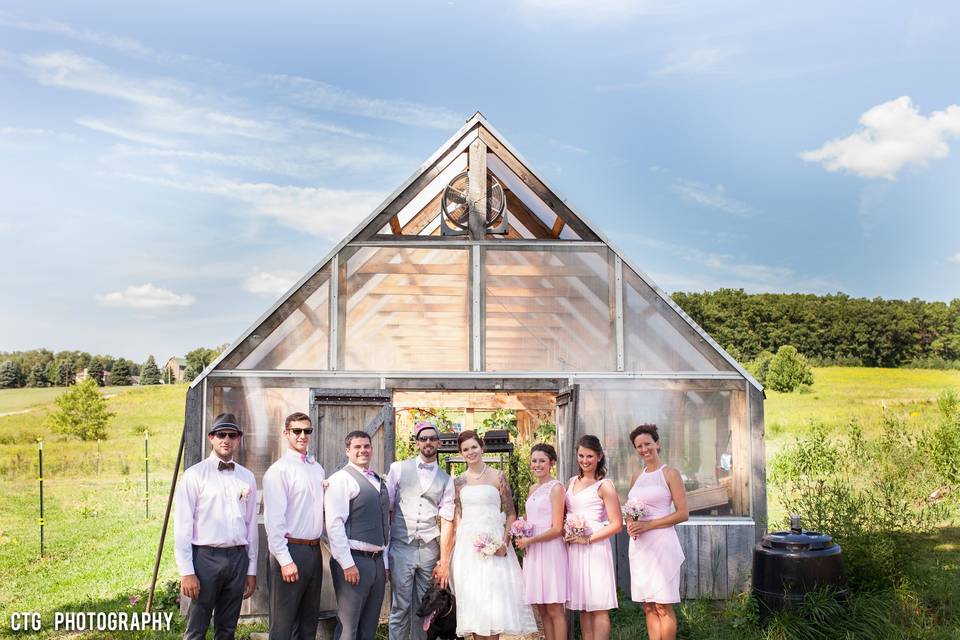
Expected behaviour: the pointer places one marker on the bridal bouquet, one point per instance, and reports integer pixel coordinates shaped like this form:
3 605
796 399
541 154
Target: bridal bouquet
634 509
521 529
486 545
576 526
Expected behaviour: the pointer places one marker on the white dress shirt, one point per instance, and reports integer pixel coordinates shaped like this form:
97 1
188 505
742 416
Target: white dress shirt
343 488
426 474
292 502
215 509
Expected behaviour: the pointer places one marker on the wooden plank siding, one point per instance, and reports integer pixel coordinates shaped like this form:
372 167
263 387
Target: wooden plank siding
718 559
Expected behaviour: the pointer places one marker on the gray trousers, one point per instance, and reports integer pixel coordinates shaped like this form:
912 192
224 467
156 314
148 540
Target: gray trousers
221 573
358 605
295 606
411 574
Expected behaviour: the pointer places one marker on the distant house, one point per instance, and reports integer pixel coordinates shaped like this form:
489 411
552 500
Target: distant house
82 375
177 368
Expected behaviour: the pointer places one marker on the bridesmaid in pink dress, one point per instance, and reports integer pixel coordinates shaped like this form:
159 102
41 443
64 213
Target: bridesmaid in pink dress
545 557
592 588
655 553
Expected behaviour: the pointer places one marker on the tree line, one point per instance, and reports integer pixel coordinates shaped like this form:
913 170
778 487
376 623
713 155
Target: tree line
44 368
833 329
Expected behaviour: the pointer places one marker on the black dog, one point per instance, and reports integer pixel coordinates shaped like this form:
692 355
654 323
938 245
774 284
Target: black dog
439 612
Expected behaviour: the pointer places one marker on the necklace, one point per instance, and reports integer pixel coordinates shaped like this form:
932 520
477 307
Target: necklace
479 475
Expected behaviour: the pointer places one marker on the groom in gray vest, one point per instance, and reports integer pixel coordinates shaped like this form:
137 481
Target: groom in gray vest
357 513
422 499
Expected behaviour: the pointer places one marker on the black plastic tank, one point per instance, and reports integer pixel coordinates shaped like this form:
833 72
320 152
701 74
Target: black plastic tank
787 565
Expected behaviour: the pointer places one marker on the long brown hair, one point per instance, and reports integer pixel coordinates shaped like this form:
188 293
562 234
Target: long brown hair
593 443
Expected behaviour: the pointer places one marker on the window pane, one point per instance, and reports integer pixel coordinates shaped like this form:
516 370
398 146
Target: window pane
407 309
549 310
656 338
702 433
301 341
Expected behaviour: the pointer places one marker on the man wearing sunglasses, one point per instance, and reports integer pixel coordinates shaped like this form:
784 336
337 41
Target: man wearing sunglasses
422 505
293 519
215 534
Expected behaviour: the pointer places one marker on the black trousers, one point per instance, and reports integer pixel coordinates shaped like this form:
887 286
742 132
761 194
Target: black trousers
295 606
222 573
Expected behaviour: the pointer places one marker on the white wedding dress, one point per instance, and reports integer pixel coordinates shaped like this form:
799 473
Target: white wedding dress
489 590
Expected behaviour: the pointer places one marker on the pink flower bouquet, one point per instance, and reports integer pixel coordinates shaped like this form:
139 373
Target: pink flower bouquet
576 525
634 509
486 545
521 529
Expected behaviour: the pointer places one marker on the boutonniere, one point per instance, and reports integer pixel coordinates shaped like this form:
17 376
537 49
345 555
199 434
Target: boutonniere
244 493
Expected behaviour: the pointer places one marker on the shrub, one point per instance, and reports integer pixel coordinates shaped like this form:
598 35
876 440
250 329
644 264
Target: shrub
81 412
759 366
868 494
788 370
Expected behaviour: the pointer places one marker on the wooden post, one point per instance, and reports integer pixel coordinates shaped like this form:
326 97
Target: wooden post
146 472
477 189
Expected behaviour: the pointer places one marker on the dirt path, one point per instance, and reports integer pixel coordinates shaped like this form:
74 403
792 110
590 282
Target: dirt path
15 413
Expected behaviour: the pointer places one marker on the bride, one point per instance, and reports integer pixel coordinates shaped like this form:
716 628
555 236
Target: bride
486 577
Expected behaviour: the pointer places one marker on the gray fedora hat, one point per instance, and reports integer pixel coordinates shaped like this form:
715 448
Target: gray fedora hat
225 422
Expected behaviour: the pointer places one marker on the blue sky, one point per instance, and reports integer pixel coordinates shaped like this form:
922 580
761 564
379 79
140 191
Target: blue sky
167 170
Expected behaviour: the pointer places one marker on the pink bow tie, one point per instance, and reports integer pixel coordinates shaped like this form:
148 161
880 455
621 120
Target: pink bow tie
369 473
306 457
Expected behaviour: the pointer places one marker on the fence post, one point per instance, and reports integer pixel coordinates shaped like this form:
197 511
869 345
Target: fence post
40 469
98 457
146 471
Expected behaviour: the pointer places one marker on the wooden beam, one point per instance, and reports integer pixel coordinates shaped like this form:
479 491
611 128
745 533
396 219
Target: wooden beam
557 228
537 186
477 188
395 225
424 217
526 217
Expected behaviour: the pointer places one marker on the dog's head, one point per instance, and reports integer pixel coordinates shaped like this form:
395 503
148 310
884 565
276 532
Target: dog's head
436 602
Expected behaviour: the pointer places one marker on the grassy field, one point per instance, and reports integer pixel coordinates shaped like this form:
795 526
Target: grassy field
100 546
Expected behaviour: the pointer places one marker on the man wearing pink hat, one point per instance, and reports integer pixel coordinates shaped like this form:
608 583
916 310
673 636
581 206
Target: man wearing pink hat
421 507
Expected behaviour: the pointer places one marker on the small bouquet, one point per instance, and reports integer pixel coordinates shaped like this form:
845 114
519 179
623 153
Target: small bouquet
576 526
486 545
634 509
521 529
244 492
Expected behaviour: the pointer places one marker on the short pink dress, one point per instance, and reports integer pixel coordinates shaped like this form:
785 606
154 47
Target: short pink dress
655 555
544 563
591 583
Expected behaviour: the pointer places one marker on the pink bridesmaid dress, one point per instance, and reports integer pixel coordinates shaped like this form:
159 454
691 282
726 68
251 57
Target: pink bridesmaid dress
591 584
655 555
544 563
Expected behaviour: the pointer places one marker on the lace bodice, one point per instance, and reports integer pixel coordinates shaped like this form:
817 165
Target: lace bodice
499 497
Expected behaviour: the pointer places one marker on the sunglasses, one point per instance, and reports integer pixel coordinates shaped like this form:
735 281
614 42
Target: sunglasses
221 435
297 432
427 438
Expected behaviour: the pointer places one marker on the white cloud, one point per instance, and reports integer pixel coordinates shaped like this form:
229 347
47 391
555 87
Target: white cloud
271 283
565 146
714 197
594 12
329 213
955 258
696 61
145 296
126 134
321 95
893 135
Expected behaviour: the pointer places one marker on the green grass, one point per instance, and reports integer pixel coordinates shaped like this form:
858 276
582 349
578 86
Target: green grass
100 547
842 394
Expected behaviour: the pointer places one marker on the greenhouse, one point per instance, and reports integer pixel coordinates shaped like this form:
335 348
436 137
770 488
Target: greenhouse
475 287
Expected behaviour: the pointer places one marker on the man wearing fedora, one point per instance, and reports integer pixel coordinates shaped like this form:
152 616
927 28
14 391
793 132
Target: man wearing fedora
215 534
357 513
422 498
293 519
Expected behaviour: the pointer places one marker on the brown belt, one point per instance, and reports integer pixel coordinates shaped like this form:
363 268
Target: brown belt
309 543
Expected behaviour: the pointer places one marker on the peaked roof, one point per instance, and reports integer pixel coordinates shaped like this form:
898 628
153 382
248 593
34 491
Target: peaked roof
455 145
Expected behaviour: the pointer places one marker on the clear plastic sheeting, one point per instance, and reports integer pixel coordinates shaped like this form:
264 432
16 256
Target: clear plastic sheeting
301 341
703 433
549 309
656 338
405 309
261 411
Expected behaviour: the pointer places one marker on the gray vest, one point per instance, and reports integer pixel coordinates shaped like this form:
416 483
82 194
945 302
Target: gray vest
415 511
369 512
